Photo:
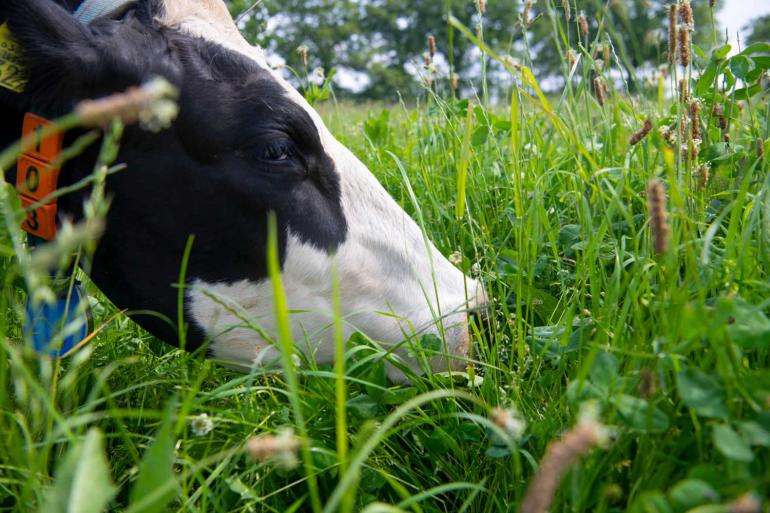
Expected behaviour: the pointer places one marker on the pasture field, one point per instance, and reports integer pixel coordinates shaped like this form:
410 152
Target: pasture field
625 365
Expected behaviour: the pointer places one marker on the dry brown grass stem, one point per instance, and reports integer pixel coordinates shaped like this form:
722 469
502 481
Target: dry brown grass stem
637 137
559 457
656 206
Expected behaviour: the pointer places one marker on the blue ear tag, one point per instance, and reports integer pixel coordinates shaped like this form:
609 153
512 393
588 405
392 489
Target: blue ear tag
65 320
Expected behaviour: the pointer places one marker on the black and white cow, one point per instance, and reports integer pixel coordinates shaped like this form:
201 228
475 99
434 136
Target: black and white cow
245 143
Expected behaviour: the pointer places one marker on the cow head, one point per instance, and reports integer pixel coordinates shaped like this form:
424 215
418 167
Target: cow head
245 144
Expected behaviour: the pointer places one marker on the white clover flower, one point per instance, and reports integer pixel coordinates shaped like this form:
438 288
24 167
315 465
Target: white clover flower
201 424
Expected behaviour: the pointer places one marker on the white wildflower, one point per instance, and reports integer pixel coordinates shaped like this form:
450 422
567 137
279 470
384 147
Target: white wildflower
201 424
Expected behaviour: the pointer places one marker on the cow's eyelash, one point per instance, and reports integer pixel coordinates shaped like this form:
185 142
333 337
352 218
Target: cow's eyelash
279 151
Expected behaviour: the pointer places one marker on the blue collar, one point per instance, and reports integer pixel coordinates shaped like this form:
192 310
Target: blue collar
89 10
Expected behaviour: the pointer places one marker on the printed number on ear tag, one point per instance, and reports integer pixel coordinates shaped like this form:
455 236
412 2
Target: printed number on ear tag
12 74
40 221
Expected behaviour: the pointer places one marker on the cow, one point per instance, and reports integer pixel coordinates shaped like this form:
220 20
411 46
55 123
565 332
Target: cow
245 144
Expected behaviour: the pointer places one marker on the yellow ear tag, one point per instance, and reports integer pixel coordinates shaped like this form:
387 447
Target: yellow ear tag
12 74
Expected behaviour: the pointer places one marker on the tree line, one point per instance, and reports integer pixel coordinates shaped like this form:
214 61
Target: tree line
383 43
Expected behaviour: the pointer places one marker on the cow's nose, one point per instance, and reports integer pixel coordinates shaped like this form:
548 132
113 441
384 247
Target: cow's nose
480 319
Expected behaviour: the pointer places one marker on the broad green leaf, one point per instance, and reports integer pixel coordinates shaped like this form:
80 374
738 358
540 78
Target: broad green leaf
749 327
604 372
439 442
400 395
431 343
480 136
83 483
362 406
651 502
690 493
639 415
754 433
741 65
731 444
704 393
156 484
377 377
706 80
761 47
580 390
747 92
721 52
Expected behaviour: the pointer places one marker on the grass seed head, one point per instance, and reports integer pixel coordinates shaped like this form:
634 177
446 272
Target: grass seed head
567 12
656 206
685 14
281 448
583 24
684 46
684 91
431 46
599 90
303 54
702 176
482 6
760 149
559 457
672 33
525 13
695 119
571 58
153 105
509 421
748 503
641 134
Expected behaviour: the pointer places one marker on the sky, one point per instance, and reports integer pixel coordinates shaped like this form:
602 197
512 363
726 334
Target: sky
736 14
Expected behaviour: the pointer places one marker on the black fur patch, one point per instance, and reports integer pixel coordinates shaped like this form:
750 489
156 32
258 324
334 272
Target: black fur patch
238 150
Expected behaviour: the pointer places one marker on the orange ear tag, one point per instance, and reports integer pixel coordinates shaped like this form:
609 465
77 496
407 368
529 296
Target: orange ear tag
37 177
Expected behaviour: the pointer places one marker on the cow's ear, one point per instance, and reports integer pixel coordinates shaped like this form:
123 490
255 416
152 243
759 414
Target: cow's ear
66 60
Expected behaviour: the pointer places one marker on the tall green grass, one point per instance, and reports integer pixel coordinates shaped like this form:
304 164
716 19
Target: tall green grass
544 199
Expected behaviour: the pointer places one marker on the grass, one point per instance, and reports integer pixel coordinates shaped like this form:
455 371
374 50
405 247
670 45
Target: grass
545 200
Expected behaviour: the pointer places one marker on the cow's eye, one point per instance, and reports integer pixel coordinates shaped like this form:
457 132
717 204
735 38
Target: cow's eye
278 151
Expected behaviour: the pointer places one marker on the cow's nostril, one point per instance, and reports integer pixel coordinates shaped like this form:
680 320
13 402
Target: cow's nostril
481 313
